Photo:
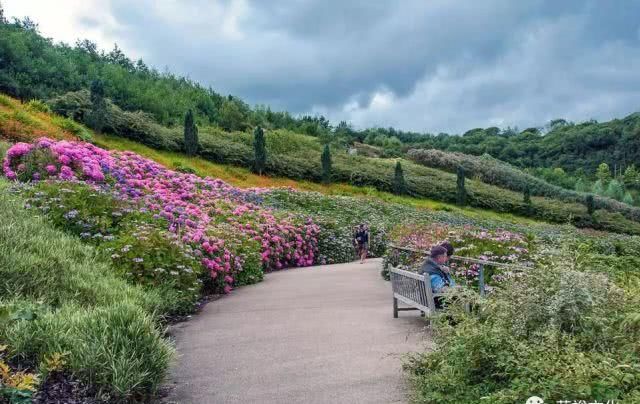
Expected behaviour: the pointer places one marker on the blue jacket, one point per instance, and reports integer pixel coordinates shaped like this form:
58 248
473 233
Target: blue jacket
438 278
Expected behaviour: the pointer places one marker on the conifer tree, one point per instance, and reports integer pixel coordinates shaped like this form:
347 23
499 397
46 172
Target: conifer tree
98 113
190 134
628 199
461 197
590 203
259 151
526 195
326 164
399 185
603 174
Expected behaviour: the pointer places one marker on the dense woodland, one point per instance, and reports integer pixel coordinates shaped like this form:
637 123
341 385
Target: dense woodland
563 153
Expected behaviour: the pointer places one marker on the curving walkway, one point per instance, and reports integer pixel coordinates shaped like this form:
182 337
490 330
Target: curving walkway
322 334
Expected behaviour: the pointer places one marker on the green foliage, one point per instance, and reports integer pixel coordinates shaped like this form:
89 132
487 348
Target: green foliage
598 188
136 126
116 348
72 301
526 196
615 190
603 174
97 116
39 106
231 116
628 199
146 254
399 185
492 171
139 247
581 185
555 332
190 134
73 127
326 164
259 151
590 204
461 195
631 177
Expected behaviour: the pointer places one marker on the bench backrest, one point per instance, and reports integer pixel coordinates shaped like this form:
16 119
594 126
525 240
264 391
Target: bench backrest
412 286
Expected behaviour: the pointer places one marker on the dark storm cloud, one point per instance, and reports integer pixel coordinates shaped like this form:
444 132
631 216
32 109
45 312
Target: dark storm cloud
423 65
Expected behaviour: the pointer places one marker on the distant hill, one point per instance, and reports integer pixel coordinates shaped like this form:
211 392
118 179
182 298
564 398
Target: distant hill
33 67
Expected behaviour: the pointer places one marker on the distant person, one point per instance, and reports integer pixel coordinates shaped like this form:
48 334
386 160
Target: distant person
361 239
439 276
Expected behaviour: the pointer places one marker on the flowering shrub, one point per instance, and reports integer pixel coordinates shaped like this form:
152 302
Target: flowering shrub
92 213
192 206
497 245
152 256
555 331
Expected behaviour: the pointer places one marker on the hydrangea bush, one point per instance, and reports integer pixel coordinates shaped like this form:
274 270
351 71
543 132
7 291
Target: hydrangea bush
497 245
194 209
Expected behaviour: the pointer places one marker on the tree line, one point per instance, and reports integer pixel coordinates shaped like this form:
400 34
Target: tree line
34 67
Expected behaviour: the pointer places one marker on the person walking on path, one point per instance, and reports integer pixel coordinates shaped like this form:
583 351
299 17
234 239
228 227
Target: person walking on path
361 239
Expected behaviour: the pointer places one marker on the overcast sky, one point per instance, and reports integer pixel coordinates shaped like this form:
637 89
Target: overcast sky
423 65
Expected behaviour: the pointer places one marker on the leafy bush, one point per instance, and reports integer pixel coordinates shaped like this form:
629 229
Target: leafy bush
145 254
492 171
116 348
39 106
554 332
72 301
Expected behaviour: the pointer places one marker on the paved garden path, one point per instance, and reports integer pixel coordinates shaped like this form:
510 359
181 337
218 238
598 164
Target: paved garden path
322 334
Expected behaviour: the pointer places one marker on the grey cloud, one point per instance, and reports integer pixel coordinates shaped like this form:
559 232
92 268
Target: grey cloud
517 63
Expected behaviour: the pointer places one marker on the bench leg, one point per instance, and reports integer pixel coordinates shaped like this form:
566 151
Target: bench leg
395 307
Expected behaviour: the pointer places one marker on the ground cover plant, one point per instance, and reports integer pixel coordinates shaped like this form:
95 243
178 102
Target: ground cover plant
59 297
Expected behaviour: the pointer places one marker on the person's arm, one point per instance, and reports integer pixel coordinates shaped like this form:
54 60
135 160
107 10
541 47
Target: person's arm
437 283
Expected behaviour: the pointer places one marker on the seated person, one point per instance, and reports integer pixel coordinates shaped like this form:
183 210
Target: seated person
439 276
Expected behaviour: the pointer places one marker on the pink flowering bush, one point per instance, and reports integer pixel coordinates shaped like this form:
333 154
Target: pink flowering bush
497 245
193 208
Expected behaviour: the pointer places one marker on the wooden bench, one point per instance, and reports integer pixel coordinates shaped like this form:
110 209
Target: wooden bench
411 289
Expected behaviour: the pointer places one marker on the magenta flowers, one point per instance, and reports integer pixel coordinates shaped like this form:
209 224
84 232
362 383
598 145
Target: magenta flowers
195 208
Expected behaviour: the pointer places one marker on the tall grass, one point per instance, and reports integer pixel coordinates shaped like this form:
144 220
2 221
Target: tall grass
106 328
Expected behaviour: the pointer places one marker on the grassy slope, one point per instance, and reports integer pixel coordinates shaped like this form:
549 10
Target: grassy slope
19 122
244 178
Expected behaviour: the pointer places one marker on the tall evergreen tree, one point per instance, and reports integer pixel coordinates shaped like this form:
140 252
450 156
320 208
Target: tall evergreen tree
603 173
326 164
590 203
631 177
259 151
461 197
190 134
399 185
98 114
526 195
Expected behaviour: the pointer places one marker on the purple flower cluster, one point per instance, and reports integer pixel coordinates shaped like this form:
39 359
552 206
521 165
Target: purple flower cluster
192 206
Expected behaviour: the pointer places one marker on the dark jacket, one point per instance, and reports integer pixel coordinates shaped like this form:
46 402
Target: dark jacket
437 277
